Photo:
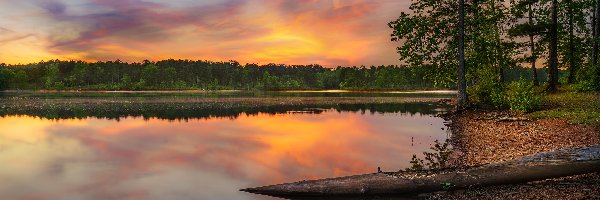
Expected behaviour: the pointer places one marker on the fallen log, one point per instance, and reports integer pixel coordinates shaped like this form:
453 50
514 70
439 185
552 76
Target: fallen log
541 166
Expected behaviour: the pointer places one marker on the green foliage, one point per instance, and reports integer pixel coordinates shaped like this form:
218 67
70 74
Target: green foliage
180 85
427 38
58 85
126 81
185 74
151 75
79 74
488 92
4 78
521 96
140 85
51 76
585 79
585 86
517 96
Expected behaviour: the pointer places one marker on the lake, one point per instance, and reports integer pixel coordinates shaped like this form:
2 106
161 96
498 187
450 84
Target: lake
92 146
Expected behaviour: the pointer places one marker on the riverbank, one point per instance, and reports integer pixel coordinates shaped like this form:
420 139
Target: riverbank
567 119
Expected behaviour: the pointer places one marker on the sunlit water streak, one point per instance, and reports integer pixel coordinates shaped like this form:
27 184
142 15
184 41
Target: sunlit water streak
136 158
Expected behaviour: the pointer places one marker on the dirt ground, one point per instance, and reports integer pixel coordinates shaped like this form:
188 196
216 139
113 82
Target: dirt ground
481 137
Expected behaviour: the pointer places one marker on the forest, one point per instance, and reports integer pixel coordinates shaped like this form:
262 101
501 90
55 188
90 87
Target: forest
206 75
474 43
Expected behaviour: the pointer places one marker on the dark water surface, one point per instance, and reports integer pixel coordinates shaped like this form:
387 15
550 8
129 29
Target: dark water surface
206 157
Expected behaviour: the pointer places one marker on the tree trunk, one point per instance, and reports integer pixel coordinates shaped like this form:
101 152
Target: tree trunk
462 82
572 65
536 82
594 36
554 164
553 54
596 28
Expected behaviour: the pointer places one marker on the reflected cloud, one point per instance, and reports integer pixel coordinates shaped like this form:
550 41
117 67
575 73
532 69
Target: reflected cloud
156 159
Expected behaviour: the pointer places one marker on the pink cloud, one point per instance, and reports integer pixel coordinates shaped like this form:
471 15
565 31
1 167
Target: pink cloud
327 32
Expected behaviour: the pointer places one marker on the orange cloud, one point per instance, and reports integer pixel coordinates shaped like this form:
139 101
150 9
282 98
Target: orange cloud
327 32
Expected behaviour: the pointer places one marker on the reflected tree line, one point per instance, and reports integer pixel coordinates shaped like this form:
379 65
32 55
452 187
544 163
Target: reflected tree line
182 111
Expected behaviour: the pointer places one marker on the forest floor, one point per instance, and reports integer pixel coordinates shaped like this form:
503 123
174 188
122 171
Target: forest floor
567 119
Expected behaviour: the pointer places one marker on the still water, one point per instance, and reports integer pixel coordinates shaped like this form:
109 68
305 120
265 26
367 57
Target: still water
202 158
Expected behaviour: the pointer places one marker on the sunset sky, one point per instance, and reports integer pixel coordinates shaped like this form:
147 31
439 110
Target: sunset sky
327 32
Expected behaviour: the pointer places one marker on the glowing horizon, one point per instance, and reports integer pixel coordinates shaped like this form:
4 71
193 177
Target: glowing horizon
326 32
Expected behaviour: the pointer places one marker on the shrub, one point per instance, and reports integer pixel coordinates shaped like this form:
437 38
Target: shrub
488 92
585 86
59 85
520 96
180 85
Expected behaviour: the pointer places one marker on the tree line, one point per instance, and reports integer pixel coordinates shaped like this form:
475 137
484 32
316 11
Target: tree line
207 75
481 40
187 74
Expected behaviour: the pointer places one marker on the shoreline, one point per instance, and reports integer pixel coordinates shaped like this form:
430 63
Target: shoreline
488 137
483 136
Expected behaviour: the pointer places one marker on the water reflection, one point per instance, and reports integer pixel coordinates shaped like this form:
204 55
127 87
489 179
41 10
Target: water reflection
185 111
202 158
439 158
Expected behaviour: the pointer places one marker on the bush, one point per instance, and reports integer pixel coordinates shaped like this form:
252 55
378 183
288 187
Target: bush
516 96
584 86
488 92
180 85
59 85
520 96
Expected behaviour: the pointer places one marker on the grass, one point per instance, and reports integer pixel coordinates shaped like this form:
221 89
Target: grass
576 107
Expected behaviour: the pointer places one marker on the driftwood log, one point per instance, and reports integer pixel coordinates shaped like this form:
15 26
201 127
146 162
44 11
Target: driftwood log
541 166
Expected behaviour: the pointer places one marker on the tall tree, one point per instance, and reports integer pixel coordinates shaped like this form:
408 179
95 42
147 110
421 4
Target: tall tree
596 37
428 37
573 20
533 57
462 82
571 46
594 31
534 29
553 54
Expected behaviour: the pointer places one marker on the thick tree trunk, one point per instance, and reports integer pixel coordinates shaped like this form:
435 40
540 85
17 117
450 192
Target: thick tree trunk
462 82
555 164
536 82
553 54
